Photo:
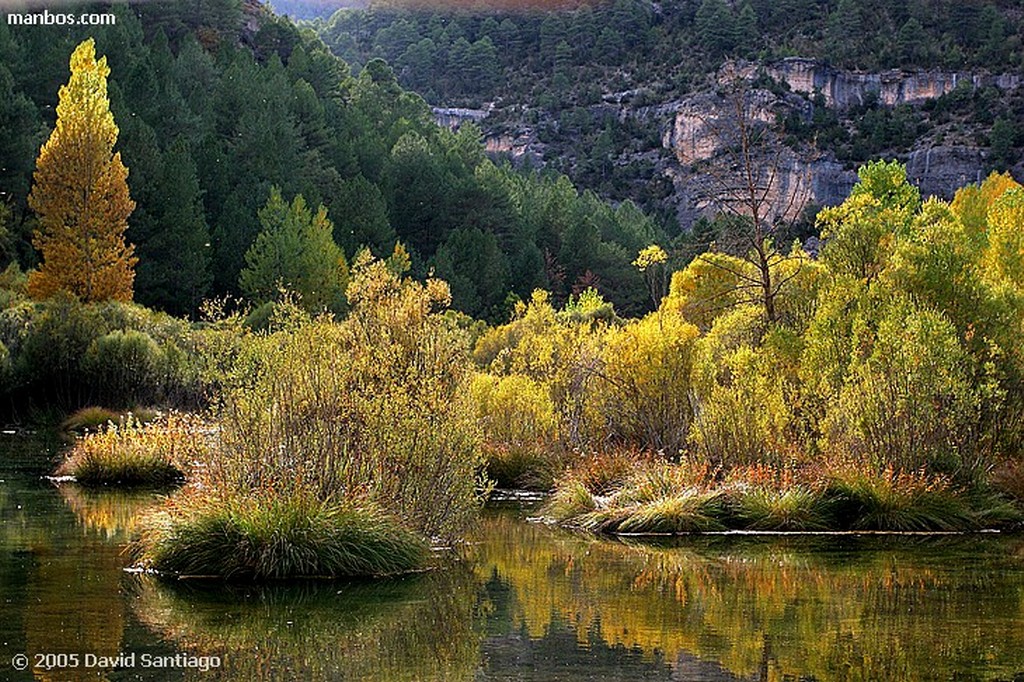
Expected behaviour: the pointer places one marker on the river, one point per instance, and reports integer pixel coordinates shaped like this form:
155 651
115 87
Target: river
522 601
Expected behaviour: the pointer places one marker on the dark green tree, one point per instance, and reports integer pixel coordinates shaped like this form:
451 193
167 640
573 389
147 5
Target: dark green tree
173 273
295 251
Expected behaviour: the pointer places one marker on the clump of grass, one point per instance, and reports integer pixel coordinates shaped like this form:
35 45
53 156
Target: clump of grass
268 536
94 418
571 499
663 480
89 418
133 453
692 511
796 508
898 501
657 498
526 467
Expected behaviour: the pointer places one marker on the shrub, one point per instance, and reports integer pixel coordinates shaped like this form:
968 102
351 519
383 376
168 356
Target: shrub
908 402
642 391
373 410
520 428
743 380
127 366
276 536
133 453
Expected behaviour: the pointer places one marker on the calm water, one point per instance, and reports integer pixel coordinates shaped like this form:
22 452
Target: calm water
527 602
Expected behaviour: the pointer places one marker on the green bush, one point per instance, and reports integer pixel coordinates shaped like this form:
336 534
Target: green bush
909 401
125 366
520 428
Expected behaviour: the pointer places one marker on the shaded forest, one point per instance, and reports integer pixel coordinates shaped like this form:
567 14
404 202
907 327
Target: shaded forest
219 103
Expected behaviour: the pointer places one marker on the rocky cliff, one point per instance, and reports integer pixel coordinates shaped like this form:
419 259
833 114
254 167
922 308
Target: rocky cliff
697 131
698 143
846 89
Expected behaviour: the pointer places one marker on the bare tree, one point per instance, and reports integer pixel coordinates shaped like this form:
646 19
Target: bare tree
751 180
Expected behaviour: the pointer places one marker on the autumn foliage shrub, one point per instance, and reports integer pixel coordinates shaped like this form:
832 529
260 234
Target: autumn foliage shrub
133 453
518 419
371 413
641 393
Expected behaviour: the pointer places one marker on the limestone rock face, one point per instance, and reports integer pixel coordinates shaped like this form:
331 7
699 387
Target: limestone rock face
845 89
708 175
697 157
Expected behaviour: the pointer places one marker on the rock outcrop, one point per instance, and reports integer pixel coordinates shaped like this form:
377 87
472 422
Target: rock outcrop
845 89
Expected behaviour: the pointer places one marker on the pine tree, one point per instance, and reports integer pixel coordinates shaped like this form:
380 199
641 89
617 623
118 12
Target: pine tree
81 193
174 260
295 251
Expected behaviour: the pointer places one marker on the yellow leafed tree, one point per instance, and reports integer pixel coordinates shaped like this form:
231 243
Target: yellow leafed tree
81 193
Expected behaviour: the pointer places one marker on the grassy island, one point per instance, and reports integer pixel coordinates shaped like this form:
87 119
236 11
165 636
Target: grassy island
341 448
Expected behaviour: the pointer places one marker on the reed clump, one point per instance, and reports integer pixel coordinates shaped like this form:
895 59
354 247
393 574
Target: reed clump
130 452
690 497
342 449
271 536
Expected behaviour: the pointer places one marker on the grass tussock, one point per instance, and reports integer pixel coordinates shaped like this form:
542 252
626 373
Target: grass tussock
523 466
571 499
94 418
895 500
692 511
136 453
798 508
274 536
691 497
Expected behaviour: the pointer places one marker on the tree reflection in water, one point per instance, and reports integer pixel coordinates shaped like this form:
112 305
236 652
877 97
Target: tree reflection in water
767 608
417 628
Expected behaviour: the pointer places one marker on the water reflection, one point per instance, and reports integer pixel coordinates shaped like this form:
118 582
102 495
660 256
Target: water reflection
527 603
60 587
418 628
823 609
112 513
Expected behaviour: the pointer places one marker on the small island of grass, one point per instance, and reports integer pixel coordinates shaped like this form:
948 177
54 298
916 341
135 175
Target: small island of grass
132 453
341 449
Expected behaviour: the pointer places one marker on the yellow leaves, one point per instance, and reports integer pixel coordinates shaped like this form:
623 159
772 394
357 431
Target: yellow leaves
709 286
1005 255
81 194
649 256
514 409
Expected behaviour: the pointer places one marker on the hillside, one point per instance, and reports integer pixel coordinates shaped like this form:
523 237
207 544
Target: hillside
602 92
219 102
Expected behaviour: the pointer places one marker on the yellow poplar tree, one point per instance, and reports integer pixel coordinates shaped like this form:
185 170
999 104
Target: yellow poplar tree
81 193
